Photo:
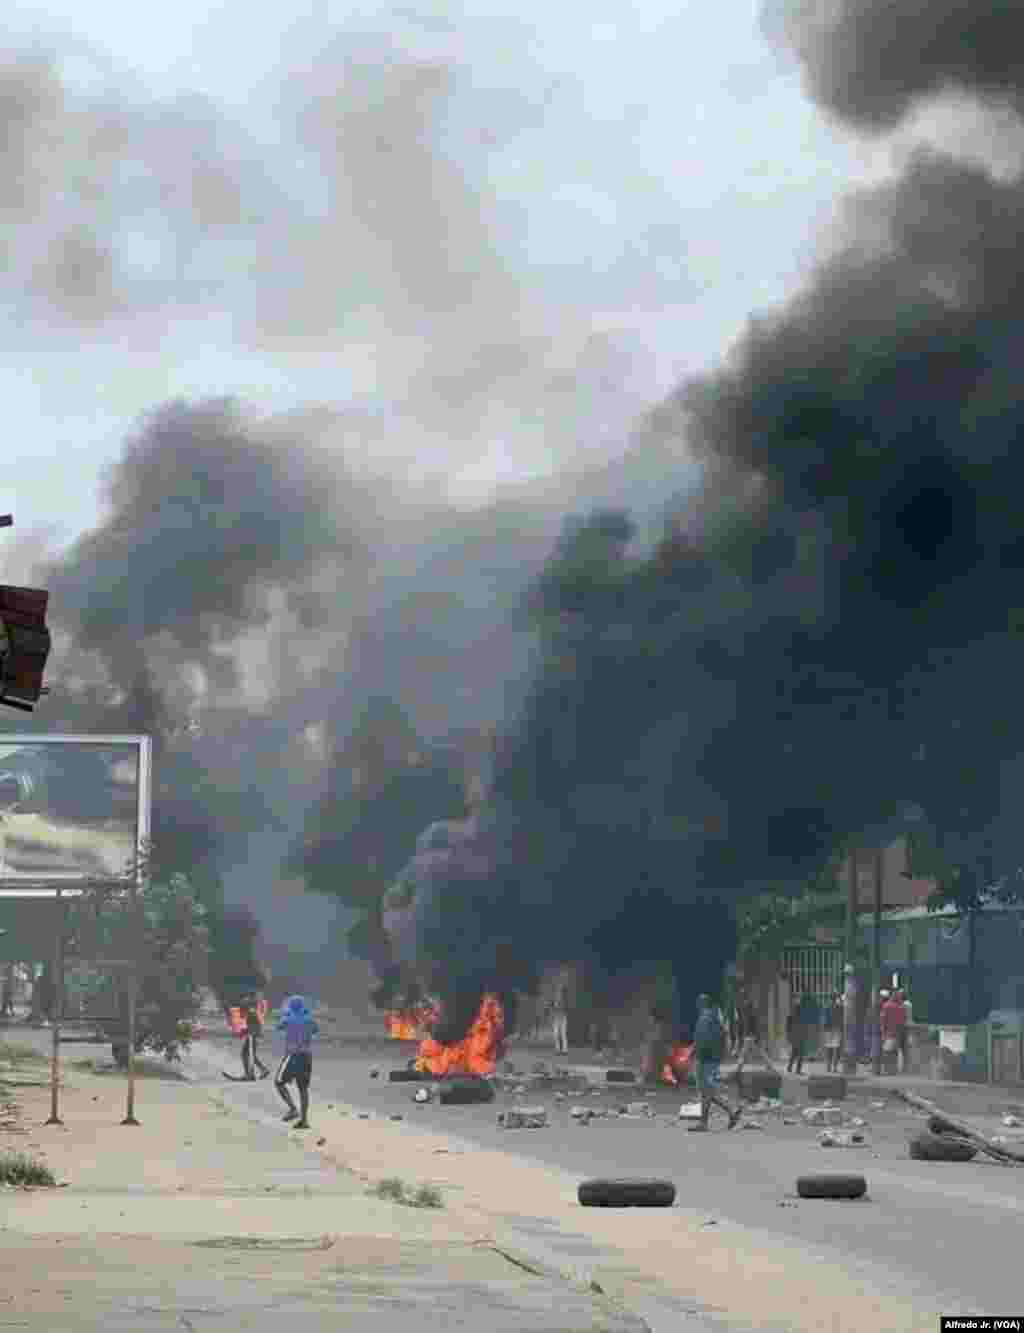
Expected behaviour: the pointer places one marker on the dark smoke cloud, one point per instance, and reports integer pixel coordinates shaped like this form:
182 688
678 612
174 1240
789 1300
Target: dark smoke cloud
831 635
869 61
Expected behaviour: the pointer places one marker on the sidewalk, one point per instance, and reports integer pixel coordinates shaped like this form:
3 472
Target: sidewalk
202 1218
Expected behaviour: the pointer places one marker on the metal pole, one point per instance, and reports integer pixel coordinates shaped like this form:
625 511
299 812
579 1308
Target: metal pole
850 1032
876 948
57 1009
133 991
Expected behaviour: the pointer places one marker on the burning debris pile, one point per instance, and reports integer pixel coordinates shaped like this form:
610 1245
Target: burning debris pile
412 1024
477 1053
676 1069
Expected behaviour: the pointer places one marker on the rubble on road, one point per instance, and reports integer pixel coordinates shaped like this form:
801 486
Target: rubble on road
582 1114
690 1111
824 1115
636 1109
1012 1121
523 1117
840 1138
423 1095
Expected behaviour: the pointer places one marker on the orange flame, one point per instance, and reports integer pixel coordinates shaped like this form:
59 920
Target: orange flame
410 1024
236 1020
477 1053
677 1067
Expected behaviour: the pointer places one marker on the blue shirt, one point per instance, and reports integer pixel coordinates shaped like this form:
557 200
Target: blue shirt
298 1035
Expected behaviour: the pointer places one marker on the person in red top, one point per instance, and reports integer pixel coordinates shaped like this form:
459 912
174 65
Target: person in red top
894 1028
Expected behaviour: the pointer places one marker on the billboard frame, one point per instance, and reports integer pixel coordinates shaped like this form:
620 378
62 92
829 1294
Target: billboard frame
75 886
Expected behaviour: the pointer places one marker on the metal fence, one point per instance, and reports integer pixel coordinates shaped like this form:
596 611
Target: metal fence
814 970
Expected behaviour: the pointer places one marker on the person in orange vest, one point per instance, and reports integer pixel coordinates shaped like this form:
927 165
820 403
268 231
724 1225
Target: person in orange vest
253 1012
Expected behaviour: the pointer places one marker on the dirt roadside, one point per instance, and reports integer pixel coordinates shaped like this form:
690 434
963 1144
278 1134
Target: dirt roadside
199 1218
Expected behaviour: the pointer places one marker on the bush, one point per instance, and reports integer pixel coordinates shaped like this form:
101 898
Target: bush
17 1169
426 1196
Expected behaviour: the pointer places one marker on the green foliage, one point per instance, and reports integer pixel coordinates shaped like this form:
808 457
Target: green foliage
396 1190
18 1169
170 937
768 922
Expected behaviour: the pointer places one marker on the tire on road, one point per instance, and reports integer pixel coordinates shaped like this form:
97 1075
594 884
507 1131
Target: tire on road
626 1193
465 1090
826 1088
408 1076
757 1083
929 1147
831 1187
620 1076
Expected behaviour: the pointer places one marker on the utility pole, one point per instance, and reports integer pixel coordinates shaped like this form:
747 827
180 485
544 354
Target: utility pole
57 1006
849 1010
876 947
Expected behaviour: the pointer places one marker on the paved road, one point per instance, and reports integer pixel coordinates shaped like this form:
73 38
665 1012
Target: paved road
950 1228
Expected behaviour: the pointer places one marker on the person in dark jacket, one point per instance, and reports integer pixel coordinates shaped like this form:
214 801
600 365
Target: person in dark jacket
708 1038
751 1048
252 1017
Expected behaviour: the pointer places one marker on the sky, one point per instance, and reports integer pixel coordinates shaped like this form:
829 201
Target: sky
646 178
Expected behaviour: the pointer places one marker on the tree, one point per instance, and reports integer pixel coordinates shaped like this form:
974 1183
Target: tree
170 939
970 889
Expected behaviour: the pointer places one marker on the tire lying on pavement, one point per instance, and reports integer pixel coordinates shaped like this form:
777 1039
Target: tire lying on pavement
620 1076
409 1076
826 1088
929 1147
465 1090
831 1187
626 1194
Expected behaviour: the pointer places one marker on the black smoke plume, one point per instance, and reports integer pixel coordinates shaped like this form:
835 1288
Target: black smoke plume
831 633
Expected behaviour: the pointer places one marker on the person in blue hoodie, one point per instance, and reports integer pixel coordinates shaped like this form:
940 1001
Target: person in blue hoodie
708 1037
299 1028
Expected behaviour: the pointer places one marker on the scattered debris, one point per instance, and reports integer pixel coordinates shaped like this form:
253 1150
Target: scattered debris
840 1138
319 1143
939 1123
824 1115
364 1115
423 1095
396 1115
523 1117
710 1222
878 1106
636 1109
750 1124
375 1073
689 1111
1012 1121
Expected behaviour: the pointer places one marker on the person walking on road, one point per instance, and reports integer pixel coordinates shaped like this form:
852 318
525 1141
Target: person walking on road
834 1034
299 1028
750 1044
799 1027
560 1018
709 1037
252 1017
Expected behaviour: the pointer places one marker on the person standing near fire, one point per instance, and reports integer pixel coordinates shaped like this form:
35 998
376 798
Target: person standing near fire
709 1036
299 1028
252 1017
560 1018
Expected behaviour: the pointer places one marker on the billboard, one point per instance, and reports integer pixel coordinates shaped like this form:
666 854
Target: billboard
72 809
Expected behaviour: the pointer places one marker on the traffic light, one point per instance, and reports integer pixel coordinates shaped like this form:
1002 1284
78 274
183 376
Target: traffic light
24 642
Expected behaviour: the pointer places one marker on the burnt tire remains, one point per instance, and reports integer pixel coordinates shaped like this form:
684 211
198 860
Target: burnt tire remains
465 1090
831 1187
929 1147
409 1076
626 1193
620 1076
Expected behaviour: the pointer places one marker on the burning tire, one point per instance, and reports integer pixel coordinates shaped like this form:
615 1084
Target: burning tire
831 1187
929 1147
465 1090
626 1194
826 1088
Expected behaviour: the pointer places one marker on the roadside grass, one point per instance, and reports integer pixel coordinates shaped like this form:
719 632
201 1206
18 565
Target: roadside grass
18 1169
424 1196
17 1053
144 1068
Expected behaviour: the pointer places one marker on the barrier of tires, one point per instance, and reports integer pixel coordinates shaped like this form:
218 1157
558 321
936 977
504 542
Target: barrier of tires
826 1088
465 1090
929 1147
831 1187
626 1193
